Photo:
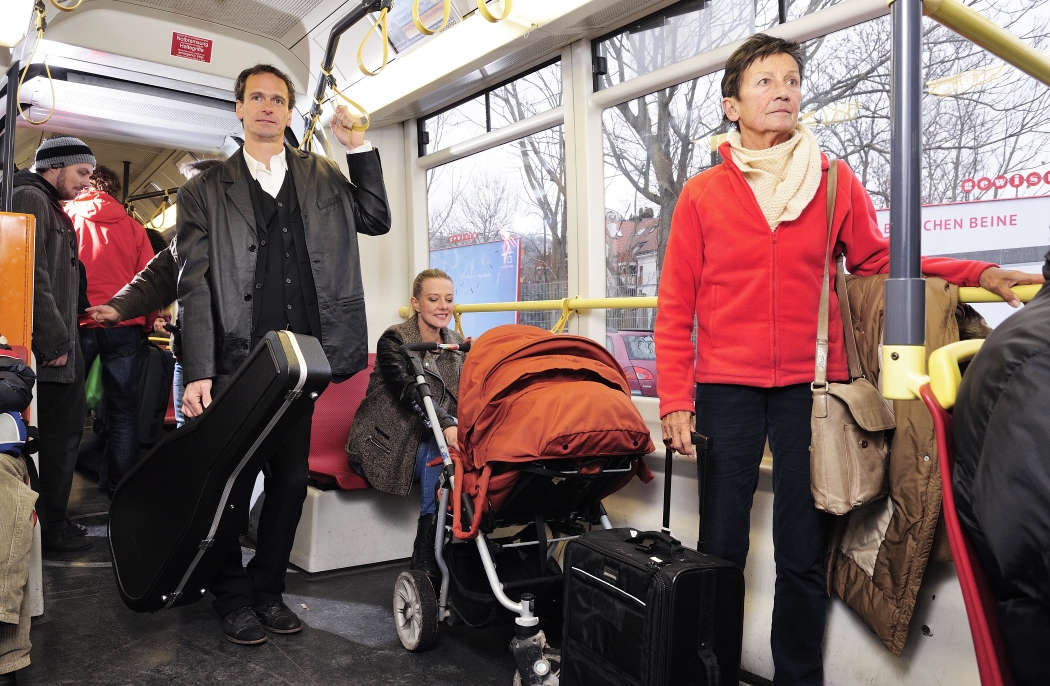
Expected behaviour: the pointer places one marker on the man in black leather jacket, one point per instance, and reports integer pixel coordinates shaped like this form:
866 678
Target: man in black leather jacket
1002 477
265 241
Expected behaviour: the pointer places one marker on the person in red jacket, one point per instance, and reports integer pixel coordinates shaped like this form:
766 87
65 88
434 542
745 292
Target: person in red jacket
745 259
114 248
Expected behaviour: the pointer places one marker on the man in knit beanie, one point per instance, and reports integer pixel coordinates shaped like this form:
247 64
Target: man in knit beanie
61 170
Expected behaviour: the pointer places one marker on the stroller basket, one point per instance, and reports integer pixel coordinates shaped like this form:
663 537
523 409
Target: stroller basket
472 598
562 489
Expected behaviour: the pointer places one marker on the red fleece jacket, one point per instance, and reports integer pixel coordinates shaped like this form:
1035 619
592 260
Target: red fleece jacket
113 247
755 292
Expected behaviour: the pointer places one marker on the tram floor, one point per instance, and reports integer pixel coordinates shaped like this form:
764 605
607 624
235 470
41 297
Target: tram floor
87 636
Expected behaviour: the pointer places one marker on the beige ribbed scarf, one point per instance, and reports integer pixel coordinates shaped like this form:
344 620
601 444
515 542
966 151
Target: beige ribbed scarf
783 178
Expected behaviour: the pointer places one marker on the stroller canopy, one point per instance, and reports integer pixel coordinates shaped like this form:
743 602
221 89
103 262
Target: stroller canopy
526 394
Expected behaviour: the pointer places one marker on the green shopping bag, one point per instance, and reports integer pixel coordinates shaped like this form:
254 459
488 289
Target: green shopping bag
93 383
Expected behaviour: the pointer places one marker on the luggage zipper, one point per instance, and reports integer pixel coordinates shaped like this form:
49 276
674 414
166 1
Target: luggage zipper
662 582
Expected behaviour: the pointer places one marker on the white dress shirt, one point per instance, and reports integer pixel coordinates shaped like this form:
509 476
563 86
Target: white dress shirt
272 179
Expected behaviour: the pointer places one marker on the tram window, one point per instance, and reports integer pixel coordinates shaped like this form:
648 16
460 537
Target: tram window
523 96
531 94
497 225
639 205
455 125
677 33
983 119
684 30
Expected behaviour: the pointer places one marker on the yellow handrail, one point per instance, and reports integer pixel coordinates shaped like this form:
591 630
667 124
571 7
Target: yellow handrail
570 306
945 376
981 31
979 295
545 305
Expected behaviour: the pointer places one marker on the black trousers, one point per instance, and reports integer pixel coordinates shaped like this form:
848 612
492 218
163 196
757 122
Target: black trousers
740 419
262 581
62 409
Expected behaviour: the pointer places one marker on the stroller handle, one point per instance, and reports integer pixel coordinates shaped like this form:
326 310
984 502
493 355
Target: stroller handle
421 347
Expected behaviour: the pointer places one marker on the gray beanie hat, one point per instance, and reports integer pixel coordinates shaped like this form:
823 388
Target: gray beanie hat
62 151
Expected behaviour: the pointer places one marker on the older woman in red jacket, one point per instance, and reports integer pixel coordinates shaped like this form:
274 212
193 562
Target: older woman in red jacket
745 258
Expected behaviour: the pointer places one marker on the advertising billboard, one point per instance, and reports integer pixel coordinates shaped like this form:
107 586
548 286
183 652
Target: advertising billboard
483 273
1006 231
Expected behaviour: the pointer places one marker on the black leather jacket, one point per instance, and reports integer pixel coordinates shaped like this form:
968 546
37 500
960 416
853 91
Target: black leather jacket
216 251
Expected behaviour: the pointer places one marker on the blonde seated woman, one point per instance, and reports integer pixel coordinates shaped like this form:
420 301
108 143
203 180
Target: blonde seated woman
391 441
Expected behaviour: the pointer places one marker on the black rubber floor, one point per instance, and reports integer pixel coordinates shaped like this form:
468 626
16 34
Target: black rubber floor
88 636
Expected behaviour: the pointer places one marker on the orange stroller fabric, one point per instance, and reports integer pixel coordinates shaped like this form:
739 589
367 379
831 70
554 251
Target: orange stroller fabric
526 394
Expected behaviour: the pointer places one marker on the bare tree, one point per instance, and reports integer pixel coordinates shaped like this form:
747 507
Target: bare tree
542 158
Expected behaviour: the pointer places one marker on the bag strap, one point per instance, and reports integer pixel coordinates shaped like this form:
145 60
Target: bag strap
850 336
820 373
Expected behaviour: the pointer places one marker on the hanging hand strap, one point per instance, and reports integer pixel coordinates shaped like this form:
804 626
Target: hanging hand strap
489 16
421 27
820 374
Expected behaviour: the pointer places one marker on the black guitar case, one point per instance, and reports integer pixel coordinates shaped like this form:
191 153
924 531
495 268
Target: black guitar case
194 487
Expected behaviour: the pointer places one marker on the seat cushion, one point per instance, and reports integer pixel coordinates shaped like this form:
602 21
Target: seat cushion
333 415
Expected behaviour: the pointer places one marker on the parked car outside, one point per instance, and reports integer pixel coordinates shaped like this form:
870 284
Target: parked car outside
636 353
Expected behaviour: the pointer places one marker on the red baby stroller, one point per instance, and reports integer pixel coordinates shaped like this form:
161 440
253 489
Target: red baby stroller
547 429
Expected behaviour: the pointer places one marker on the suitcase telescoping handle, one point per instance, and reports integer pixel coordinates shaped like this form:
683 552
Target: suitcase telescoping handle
703 445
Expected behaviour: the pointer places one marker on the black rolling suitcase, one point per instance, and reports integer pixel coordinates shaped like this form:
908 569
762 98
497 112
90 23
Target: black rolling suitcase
194 487
642 610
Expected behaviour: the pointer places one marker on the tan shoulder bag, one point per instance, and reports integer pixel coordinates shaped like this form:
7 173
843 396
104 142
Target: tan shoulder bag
850 450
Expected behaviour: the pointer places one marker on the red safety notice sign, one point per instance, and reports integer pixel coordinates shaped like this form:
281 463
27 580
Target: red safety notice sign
190 47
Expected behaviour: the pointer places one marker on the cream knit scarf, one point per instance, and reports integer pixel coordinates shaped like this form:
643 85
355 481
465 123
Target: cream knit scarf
783 178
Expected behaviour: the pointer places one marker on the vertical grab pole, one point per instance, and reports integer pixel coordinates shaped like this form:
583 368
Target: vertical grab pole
903 356
10 129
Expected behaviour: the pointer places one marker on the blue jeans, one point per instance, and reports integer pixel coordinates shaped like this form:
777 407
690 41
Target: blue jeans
119 348
740 419
427 476
177 389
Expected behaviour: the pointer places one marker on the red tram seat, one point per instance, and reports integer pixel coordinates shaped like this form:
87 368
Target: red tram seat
333 415
981 606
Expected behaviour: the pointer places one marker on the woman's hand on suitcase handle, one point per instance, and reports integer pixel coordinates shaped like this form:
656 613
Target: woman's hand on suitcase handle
196 397
677 429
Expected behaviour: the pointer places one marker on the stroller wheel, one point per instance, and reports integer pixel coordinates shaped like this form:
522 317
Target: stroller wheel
415 610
